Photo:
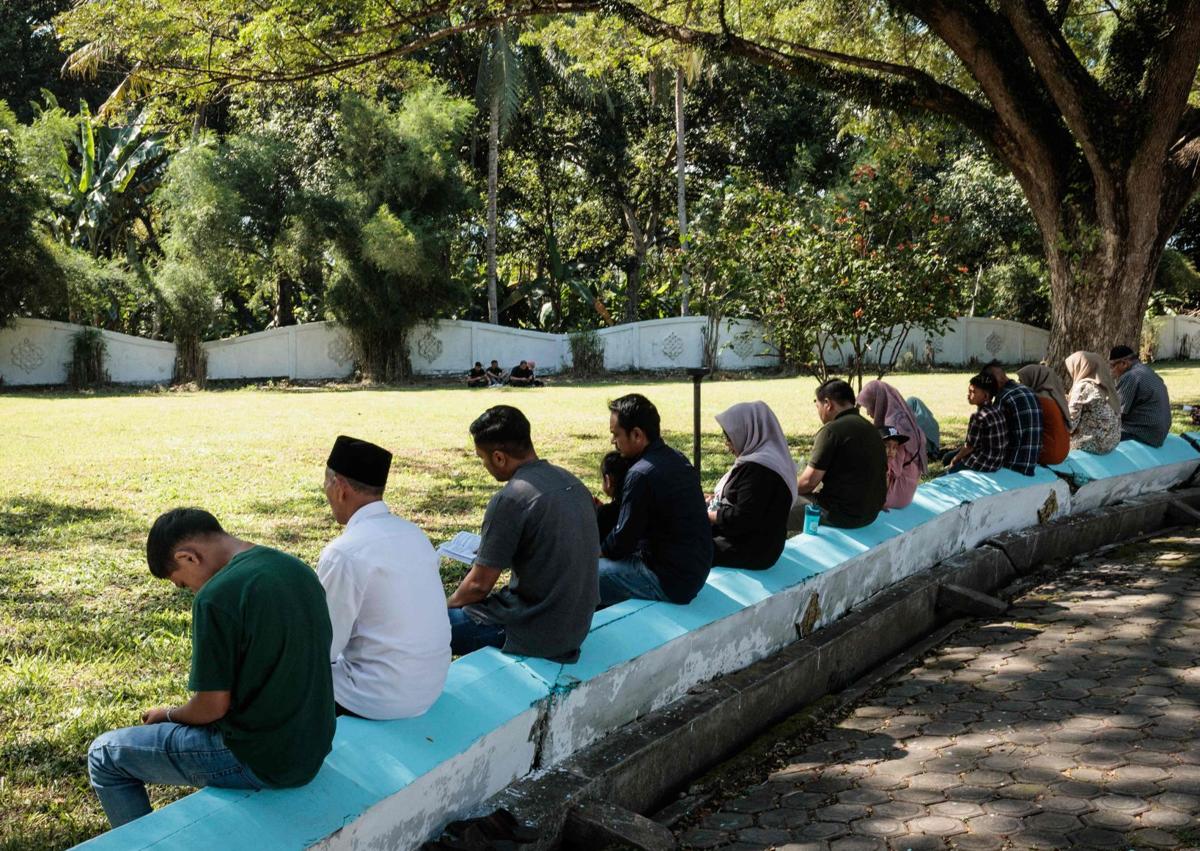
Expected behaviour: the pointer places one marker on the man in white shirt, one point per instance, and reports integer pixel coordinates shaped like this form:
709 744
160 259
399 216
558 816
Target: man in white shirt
391 631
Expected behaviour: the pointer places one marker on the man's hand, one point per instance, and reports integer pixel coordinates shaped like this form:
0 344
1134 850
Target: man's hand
157 715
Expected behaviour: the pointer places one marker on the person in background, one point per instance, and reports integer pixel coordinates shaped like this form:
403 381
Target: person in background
1046 385
906 459
661 547
986 446
1094 405
613 468
541 526
495 375
848 463
1145 404
261 712
391 635
929 426
750 506
521 375
534 381
477 376
1022 418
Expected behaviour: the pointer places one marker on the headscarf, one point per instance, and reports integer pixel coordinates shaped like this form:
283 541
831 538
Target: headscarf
929 425
1088 366
887 407
757 438
1044 381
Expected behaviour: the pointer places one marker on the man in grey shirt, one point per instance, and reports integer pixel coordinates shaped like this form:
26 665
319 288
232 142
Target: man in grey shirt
542 527
1145 406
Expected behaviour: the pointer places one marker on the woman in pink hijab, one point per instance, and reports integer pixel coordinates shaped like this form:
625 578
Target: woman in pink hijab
906 464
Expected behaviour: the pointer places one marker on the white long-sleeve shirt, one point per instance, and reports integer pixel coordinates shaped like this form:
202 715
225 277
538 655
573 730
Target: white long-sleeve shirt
391 632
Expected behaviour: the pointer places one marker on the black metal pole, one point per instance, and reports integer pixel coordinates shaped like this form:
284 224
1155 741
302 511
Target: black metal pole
697 375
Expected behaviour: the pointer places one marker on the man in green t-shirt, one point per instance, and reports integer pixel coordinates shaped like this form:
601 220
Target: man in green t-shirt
848 461
262 712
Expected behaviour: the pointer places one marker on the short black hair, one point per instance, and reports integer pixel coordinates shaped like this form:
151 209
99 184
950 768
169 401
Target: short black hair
170 530
634 410
615 466
984 381
495 361
835 390
478 363
503 428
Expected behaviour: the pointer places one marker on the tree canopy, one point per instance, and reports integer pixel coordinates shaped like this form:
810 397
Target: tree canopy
1091 104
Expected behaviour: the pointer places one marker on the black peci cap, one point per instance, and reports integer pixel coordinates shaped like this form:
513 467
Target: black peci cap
359 460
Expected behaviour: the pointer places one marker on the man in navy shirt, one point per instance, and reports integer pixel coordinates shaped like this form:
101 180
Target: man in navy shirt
661 546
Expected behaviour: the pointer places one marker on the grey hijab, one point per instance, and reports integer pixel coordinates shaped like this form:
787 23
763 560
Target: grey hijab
757 437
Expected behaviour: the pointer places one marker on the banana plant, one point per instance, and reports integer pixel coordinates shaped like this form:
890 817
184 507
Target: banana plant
106 186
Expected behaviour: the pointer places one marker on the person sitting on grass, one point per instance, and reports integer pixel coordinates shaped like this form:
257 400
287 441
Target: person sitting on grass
477 376
495 375
521 375
848 463
613 468
1094 404
661 547
750 505
541 526
1056 436
1145 404
391 636
894 444
987 433
261 713
1022 420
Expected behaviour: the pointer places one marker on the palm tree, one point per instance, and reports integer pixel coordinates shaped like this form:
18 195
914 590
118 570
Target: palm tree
499 85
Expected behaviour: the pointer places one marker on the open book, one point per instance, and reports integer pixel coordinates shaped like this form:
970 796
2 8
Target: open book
462 547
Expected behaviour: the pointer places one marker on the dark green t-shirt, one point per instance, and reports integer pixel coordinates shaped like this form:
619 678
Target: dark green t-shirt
851 453
260 630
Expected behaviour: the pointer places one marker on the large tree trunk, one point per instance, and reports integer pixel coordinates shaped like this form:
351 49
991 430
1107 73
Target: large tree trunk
285 311
493 169
1097 299
680 168
633 267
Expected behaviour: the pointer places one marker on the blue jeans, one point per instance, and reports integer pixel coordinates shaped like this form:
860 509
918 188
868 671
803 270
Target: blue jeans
468 635
121 763
629 577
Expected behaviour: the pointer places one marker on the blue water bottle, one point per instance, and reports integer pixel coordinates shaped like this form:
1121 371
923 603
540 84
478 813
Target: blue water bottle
812 519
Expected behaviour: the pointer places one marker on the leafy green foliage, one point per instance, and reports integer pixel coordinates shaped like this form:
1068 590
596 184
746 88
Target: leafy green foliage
105 183
849 272
403 194
28 273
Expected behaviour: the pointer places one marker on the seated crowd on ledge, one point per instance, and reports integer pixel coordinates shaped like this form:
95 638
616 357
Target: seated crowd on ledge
278 650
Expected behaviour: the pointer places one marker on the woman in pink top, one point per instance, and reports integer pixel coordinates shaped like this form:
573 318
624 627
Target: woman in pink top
886 407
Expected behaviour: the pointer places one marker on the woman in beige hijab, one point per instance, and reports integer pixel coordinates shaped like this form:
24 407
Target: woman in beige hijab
1094 406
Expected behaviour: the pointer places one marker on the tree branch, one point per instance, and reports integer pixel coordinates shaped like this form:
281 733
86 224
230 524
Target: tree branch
1170 75
1083 104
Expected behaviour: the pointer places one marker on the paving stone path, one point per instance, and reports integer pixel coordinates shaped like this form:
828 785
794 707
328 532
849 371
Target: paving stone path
1072 722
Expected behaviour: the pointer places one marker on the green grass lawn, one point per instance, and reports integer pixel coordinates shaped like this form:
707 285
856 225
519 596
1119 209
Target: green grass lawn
88 638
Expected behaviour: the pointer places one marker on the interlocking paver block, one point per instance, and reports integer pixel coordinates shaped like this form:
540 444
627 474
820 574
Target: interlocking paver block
1072 725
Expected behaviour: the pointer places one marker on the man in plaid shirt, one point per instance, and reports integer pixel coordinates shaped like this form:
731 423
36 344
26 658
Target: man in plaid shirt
1023 418
987 433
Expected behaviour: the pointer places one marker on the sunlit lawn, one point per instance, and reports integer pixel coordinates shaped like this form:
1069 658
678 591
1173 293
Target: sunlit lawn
88 638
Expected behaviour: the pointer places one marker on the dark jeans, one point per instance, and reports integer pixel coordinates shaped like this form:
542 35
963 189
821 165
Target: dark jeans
468 635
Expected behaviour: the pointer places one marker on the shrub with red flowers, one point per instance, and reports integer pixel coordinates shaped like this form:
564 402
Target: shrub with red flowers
842 278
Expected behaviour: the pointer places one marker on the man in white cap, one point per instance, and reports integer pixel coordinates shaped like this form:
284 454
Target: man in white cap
391 633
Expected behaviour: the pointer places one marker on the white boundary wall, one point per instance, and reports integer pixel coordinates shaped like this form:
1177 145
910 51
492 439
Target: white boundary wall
36 351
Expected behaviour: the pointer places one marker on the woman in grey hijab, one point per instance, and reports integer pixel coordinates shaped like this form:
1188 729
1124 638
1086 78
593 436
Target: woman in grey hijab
749 509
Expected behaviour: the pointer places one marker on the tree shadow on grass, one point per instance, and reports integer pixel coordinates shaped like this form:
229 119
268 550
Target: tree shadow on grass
22 517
